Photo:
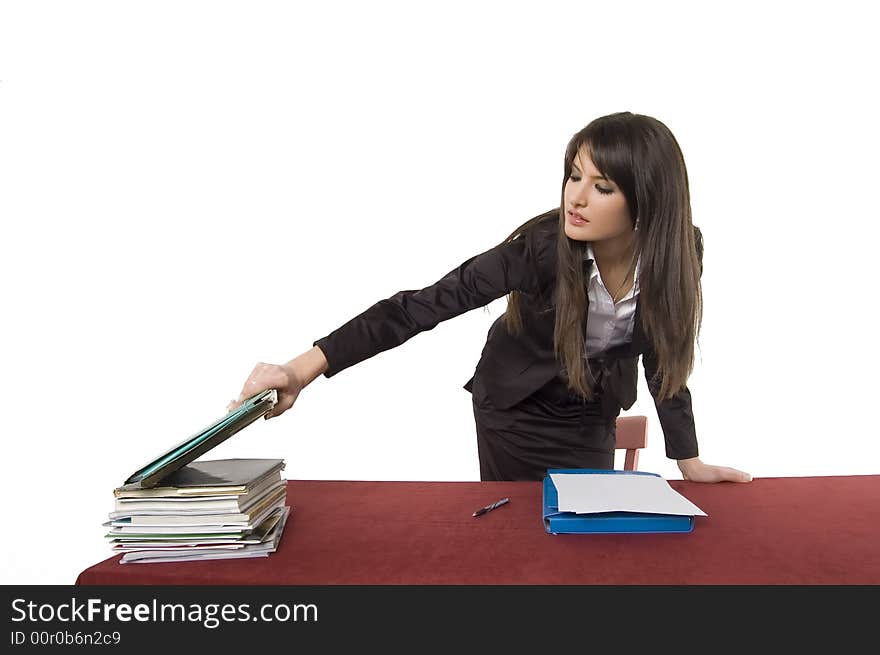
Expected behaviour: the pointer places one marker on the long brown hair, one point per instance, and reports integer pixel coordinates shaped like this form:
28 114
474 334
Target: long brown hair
643 158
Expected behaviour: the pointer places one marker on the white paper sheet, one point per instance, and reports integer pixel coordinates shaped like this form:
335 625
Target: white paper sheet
586 493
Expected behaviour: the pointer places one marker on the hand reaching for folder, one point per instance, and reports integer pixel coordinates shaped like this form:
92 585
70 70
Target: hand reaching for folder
283 378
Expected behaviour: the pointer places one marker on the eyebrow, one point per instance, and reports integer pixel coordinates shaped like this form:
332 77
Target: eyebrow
592 177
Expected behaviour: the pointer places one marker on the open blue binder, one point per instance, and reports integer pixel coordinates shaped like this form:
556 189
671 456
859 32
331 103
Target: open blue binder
556 522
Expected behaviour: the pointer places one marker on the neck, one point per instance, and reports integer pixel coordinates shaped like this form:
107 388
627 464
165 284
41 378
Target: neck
614 252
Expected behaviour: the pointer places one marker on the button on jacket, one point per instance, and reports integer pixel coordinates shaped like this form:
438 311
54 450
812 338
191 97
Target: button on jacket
511 367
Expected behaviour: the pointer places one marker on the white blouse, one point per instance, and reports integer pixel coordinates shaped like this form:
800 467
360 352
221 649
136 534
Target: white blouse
608 324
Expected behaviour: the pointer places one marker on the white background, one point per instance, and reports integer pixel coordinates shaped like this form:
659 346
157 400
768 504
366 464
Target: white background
189 188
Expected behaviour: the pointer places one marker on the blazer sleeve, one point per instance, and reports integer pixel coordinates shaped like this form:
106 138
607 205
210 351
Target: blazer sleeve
474 283
675 414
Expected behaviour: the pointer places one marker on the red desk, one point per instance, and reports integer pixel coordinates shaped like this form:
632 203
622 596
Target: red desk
816 530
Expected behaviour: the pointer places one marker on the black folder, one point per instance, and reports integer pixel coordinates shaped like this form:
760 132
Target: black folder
186 451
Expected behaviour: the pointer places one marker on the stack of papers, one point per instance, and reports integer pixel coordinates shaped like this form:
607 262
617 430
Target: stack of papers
213 509
600 492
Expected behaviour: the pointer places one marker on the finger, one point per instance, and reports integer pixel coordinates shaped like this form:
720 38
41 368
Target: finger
250 381
264 376
285 402
251 388
734 475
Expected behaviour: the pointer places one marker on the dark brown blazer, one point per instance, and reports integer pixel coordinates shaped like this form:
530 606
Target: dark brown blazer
511 367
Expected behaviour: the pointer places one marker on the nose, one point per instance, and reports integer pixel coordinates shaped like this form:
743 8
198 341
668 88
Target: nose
579 193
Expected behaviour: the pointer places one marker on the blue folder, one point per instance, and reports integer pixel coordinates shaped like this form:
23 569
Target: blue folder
556 522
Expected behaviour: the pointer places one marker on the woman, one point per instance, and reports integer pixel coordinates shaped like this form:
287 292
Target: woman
611 274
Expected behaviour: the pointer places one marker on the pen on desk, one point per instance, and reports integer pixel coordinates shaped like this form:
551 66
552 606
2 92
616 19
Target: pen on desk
489 508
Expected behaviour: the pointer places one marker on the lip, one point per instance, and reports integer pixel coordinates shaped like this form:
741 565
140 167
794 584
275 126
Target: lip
576 219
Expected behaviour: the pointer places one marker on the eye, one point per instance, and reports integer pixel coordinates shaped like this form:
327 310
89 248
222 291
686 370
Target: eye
601 190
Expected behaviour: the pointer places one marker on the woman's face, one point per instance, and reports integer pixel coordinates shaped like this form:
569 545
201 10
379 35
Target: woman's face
598 200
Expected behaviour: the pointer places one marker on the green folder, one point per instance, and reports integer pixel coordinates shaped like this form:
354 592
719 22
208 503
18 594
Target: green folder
186 451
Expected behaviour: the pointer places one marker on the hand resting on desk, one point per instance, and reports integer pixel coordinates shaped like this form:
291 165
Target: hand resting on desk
696 471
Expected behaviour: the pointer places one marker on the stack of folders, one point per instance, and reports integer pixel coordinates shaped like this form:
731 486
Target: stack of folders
213 509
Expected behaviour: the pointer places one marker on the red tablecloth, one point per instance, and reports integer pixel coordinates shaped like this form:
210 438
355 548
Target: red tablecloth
810 530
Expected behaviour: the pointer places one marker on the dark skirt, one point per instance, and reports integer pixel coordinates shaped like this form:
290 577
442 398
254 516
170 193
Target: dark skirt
552 428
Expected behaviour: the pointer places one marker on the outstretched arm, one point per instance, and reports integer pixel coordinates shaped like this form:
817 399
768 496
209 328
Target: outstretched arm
390 322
